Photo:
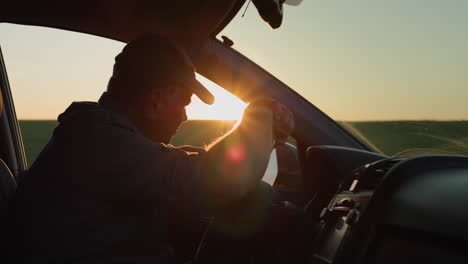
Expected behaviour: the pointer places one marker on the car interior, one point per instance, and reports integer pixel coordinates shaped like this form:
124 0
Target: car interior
335 199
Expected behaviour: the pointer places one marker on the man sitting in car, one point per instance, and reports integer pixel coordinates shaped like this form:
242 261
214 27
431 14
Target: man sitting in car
107 184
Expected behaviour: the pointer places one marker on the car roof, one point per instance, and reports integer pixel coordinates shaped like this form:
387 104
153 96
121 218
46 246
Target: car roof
190 22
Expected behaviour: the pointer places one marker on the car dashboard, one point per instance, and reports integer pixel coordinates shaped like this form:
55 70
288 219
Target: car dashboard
388 210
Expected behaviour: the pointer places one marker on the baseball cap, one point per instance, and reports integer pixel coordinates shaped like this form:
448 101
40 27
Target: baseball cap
152 55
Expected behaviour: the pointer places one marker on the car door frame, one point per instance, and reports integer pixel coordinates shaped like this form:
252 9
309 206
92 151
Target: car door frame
12 141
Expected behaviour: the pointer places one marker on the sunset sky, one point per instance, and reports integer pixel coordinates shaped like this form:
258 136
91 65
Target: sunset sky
355 60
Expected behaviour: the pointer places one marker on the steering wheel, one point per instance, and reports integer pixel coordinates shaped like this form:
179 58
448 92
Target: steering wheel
261 226
242 220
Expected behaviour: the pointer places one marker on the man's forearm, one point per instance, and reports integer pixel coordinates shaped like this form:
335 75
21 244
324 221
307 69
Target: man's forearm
236 162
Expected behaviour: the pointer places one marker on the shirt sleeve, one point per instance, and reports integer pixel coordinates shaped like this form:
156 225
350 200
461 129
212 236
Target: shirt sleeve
170 175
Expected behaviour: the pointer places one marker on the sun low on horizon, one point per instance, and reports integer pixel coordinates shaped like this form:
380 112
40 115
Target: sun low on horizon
226 105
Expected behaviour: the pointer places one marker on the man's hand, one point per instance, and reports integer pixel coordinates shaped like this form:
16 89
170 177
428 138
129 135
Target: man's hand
283 119
193 149
283 123
235 164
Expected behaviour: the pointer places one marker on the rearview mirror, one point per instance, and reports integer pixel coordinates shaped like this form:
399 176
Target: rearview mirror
271 11
292 2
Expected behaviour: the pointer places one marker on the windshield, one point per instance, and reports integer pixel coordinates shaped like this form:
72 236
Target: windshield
391 72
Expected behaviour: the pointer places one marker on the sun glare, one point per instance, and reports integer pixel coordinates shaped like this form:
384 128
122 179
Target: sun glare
226 106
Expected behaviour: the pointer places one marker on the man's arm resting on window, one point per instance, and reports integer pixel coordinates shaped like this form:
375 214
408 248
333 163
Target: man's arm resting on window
235 164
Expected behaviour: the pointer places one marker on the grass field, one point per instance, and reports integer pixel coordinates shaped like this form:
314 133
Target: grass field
390 137
36 134
417 137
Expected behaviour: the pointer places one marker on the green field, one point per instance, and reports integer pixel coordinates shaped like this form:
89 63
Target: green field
411 138
390 137
36 134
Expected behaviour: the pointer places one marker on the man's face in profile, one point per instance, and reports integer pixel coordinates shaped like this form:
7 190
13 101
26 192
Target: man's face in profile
171 110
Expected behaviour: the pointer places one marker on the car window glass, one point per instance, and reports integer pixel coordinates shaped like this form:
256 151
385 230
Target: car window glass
392 72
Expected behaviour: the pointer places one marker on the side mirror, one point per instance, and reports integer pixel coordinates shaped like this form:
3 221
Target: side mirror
283 167
271 172
289 170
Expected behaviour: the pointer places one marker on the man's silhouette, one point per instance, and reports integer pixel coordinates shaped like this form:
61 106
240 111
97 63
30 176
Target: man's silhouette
106 185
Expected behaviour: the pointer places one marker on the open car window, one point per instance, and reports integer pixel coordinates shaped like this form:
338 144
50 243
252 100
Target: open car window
49 69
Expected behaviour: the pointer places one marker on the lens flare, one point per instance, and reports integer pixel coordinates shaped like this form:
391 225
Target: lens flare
236 153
